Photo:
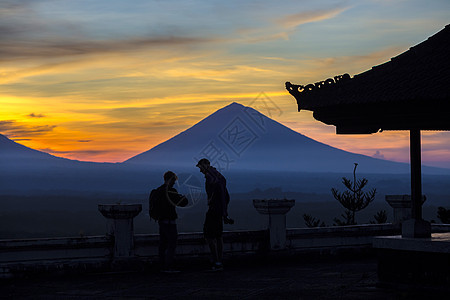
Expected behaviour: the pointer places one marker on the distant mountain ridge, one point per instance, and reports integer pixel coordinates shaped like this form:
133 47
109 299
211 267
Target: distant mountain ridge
250 148
10 150
15 156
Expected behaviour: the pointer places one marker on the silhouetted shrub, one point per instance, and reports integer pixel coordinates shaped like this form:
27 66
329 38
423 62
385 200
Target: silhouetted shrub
354 199
311 222
348 219
443 214
380 217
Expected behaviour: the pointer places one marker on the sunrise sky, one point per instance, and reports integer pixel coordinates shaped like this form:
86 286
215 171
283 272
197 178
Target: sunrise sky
106 80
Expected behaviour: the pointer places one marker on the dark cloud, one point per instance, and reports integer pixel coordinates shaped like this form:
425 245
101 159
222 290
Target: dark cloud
18 18
143 117
127 112
83 152
84 141
33 115
25 34
6 123
13 129
13 7
53 48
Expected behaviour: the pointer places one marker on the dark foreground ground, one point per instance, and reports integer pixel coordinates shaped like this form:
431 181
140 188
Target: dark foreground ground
244 278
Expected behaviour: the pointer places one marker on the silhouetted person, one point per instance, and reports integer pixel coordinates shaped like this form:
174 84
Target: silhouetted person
168 198
218 199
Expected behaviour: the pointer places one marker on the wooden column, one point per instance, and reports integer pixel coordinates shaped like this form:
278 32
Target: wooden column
416 227
416 174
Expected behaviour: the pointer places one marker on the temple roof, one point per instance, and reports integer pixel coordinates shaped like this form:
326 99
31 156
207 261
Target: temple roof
411 91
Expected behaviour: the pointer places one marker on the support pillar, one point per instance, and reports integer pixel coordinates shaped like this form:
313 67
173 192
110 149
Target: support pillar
277 210
416 174
416 227
120 225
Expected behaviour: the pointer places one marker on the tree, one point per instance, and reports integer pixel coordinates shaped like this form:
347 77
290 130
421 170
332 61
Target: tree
354 199
311 222
380 217
443 215
347 217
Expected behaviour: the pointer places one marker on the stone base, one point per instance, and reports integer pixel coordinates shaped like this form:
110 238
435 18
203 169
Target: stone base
414 228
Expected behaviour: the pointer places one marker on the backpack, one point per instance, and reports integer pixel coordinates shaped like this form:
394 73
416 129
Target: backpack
154 205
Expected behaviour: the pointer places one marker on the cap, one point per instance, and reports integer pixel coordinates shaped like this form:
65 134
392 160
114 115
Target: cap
202 162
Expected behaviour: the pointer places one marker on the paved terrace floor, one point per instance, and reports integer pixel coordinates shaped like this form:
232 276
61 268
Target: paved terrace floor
290 278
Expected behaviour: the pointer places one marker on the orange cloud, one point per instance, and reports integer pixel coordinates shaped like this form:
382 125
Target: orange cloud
304 17
12 129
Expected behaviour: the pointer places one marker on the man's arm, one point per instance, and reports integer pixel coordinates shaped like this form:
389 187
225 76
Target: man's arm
177 199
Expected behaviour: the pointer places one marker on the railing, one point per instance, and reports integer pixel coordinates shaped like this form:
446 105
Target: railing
18 257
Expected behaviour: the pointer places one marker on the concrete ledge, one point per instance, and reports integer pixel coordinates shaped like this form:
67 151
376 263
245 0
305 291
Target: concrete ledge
55 248
146 245
54 267
440 228
90 253
438 243
353 230
338 236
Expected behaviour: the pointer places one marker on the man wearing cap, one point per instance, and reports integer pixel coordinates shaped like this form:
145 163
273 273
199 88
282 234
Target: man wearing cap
218 199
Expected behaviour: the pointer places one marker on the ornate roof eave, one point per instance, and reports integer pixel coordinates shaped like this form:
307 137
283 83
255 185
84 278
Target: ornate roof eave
411 91
304 94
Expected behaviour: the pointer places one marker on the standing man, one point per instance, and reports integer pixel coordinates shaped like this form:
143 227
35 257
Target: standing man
218 199
163 201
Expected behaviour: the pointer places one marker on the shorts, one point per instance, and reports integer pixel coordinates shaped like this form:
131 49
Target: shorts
213 226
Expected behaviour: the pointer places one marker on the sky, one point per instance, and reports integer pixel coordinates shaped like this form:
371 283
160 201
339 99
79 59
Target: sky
106 80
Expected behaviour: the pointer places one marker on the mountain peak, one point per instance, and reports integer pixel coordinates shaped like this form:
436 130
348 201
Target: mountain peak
226 112
235 104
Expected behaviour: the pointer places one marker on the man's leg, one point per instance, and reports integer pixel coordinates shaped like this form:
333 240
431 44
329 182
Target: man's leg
219 249
212 242
163 243
208 231
216 247
171 244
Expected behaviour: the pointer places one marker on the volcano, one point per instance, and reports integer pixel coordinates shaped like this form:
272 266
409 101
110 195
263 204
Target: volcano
237 137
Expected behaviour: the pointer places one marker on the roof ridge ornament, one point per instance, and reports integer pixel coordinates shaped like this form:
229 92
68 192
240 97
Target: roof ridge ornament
295 89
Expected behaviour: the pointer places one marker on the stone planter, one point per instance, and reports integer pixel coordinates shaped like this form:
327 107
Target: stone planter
276 210
402 206
120 225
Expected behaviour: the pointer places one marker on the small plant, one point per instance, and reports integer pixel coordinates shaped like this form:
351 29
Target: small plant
354 199
380 217
347 217
311 222
443 214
